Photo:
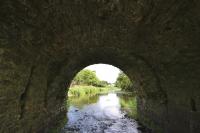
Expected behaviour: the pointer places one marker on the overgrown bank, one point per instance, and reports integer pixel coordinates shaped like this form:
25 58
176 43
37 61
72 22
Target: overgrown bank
82 90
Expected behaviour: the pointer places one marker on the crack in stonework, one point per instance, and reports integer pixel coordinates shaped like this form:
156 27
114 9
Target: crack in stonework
23 96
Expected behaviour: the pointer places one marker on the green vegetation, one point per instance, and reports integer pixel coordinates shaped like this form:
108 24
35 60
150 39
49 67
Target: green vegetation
86 86
129 105
123 82
80 90
86 77
103 84
87 83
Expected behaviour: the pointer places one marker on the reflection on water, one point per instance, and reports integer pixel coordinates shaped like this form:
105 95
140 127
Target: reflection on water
109 105
101 114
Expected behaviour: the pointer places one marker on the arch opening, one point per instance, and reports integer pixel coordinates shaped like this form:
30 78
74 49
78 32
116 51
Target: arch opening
100 94
137 68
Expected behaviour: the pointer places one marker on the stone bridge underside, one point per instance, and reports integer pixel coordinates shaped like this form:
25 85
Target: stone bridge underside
44 43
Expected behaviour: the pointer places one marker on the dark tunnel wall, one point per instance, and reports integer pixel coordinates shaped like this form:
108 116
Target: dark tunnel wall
43 44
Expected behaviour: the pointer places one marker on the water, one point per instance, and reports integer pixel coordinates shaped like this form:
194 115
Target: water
101 114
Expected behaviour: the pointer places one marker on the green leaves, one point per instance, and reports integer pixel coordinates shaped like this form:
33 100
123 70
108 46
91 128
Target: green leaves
123 82
86 77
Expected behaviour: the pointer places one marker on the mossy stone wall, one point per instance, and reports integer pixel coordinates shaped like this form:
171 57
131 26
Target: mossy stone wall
44 43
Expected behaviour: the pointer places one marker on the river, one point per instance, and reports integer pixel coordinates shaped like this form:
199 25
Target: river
106 113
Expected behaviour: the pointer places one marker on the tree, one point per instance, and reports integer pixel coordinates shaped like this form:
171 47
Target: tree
123 82
86 77
103 83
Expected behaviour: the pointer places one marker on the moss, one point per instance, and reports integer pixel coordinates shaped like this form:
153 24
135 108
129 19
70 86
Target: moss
156 43
55 122
150 124
60 124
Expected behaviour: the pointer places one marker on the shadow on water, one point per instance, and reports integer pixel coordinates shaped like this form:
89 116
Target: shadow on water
104 113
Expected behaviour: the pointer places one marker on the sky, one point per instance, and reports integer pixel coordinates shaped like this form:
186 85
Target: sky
105 72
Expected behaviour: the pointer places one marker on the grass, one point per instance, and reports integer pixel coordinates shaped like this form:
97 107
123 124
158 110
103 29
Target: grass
130 106
79 90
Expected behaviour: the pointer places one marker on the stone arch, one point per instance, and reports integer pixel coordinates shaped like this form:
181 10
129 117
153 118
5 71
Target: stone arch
70 68
155 42
147 84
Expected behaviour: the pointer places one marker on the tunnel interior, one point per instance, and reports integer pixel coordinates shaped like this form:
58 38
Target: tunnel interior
43 44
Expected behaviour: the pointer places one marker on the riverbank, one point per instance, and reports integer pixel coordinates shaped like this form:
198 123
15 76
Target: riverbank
129 105
80 90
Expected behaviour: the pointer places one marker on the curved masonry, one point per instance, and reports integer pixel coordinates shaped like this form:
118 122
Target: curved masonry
43 44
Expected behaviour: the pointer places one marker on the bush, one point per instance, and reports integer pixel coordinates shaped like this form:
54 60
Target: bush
123 82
